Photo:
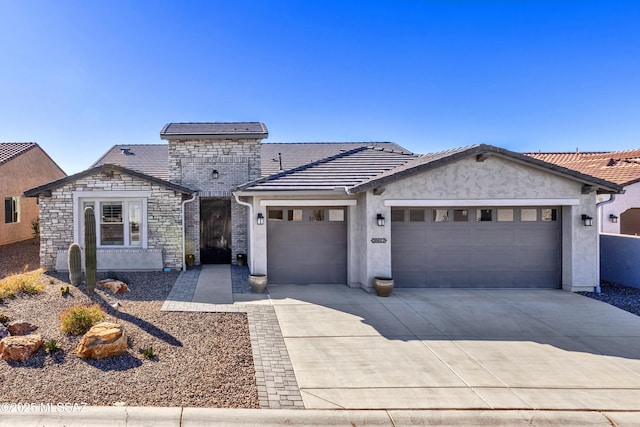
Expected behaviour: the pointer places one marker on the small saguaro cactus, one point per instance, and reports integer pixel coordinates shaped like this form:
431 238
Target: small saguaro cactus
90 248
74 259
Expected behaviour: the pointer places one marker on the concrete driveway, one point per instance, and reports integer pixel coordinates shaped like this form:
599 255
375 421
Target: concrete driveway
463 349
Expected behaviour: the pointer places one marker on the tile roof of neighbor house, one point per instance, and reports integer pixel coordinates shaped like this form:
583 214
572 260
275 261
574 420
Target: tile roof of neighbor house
339 171
106 169
434 160
11 150
150 159
621 167
213 130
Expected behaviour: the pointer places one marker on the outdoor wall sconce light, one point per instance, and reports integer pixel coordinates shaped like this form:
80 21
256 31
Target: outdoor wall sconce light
260 219
215 174
613 218
588 221
380 220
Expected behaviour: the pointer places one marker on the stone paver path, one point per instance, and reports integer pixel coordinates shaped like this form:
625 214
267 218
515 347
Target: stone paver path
275 378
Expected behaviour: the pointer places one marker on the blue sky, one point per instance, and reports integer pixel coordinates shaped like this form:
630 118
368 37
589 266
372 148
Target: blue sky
80 76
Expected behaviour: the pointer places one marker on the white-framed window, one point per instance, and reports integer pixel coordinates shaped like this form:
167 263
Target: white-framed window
121 222
11 210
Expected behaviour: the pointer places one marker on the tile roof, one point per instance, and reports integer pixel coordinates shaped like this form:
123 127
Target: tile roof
220 129
341 170
149 159
153 159
11 150
297 154
621 167
434 160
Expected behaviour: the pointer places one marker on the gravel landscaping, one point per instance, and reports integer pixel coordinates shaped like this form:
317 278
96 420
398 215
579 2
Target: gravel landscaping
203 359
14 258
623 297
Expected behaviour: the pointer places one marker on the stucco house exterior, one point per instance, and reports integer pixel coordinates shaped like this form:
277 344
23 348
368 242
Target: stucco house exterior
23 165
618 214
477 216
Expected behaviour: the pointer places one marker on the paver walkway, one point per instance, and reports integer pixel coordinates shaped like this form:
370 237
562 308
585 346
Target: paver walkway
209 289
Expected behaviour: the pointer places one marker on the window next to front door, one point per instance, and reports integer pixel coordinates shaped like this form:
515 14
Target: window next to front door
119 222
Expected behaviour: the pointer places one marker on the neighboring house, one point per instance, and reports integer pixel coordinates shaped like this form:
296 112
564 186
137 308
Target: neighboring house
23 165
622 215
477 216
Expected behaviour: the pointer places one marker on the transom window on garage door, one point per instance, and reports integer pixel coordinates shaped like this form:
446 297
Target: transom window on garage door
486 215
306 214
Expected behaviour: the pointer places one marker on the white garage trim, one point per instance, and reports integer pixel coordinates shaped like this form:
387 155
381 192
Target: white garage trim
294 202
482 202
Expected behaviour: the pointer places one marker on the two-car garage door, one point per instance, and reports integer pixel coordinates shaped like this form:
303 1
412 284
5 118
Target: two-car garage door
501 247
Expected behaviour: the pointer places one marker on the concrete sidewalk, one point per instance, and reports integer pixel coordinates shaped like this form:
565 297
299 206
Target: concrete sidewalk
193 417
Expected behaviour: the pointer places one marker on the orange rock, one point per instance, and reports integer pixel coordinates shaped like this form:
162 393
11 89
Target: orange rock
115 286
104 339
19 347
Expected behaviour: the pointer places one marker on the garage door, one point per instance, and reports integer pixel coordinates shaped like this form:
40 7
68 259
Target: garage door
307 245
470 247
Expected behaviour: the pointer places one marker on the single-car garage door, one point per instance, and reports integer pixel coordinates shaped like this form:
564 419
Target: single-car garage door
502 247
307 245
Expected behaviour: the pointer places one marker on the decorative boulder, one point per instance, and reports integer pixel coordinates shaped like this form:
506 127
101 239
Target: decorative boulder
4 332
115 286
20 327
104 339
19 348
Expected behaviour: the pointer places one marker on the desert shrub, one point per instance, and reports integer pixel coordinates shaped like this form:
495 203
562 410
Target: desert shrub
78 319
52 346
148 353
27 283
4 318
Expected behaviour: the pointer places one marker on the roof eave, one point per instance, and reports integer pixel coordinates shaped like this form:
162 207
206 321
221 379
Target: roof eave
197 136
47 188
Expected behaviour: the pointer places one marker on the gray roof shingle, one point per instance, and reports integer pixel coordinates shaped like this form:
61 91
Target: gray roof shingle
149 159
212 130
11 150
341 170
153 159
302 153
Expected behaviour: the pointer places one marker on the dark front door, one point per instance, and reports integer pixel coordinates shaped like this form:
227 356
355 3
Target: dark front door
215 231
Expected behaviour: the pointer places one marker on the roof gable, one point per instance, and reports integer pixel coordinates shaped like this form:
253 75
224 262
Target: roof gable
11 150
341 170
621 167
481 151
107 168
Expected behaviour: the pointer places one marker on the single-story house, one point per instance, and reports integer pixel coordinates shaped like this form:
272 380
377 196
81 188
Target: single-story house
23 165
619 214
476 216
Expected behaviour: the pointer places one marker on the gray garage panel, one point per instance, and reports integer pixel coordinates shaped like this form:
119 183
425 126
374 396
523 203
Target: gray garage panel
307 245
445 247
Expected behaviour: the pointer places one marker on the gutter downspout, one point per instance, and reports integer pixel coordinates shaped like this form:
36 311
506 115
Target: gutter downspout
250 239
599 208
184 249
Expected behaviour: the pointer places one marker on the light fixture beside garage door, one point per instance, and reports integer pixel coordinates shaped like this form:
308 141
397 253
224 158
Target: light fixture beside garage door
260 218
587 220
380 220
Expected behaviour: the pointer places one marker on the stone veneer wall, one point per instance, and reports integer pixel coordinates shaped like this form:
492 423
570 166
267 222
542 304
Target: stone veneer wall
192 162
163 216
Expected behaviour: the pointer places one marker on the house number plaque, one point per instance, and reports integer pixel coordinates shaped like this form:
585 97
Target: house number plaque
378 240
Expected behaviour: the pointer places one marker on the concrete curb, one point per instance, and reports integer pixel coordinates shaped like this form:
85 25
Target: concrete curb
103 416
